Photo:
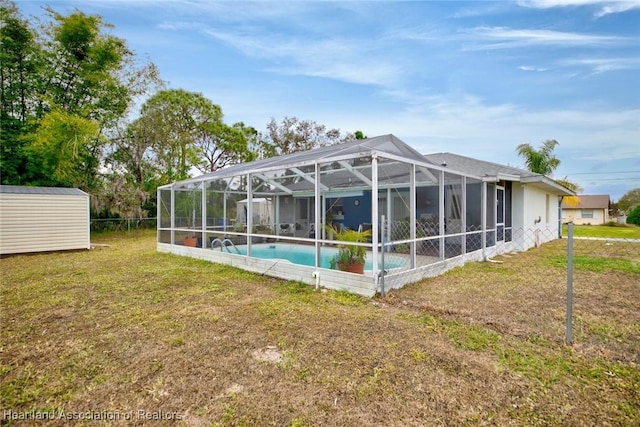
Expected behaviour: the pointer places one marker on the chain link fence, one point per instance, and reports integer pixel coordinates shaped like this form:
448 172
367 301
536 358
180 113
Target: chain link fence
100 225
529 282
438 253
596 264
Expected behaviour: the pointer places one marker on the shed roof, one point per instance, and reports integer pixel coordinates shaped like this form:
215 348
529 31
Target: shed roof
23 189
596 201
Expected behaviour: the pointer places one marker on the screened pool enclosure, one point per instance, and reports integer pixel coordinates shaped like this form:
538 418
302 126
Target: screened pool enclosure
285 216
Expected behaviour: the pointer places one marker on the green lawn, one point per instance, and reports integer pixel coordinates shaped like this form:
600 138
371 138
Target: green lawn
123 328
626 231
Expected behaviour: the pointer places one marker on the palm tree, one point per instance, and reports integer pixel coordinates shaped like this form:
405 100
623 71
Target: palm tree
570 185
540 161
543 161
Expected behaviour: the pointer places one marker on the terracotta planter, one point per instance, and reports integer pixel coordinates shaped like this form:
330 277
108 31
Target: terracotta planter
190 241
351 268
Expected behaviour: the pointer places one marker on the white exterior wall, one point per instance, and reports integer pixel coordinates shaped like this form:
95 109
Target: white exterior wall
517 206
531 204
43 222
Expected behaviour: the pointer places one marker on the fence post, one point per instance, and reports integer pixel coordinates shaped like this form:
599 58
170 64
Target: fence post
569 337
383 239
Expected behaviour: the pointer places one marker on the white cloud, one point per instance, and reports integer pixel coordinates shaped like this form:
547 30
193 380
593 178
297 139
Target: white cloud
504 37
618 7
180 26
607 6
531 68
482 9
332 58
603 65
248 11
469 125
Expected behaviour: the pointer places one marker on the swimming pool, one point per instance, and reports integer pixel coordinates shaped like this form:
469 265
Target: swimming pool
305 254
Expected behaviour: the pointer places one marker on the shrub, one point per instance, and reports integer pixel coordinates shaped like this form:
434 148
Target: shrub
634 216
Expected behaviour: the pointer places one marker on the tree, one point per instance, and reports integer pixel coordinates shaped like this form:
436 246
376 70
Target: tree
173 120
19 64
221 145
293 135
69 75
634 216
121 198
540 161
61 152
83 65
570 185
131 152
185 130
629 200
544 162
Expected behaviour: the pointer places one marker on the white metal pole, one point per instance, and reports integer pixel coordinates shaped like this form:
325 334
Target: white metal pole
569 337
374 218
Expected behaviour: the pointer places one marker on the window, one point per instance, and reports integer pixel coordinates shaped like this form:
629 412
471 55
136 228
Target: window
587 213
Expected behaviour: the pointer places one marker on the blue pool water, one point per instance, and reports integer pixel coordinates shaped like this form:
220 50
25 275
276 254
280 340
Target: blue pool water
304 254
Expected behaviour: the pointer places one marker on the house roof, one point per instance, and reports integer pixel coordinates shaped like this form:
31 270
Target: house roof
598 201
300 167
20 189
499 172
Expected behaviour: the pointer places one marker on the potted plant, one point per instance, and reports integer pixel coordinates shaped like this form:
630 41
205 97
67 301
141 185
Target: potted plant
191 240
350 257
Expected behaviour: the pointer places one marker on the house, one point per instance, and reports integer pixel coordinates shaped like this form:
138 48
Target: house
587 209
531 201
426 214
39 219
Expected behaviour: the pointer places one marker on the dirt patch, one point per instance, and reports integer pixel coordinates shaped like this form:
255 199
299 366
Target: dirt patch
270 354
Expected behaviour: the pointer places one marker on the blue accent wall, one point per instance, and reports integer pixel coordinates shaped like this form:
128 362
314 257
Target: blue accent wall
353 215
356 215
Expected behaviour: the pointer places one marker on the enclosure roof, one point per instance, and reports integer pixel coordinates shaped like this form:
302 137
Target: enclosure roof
489 169
20 189
384 144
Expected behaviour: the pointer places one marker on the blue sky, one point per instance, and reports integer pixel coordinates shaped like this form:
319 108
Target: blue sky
473 78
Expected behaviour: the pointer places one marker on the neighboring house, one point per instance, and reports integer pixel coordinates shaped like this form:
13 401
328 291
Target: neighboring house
426 214
586 209
40 219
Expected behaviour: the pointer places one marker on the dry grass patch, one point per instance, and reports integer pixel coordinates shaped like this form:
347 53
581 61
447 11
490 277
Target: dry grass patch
123 328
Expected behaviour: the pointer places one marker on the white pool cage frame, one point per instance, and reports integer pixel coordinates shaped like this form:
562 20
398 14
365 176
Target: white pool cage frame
424 217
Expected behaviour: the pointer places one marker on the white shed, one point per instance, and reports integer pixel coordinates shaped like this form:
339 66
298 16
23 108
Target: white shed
262 211
40 219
